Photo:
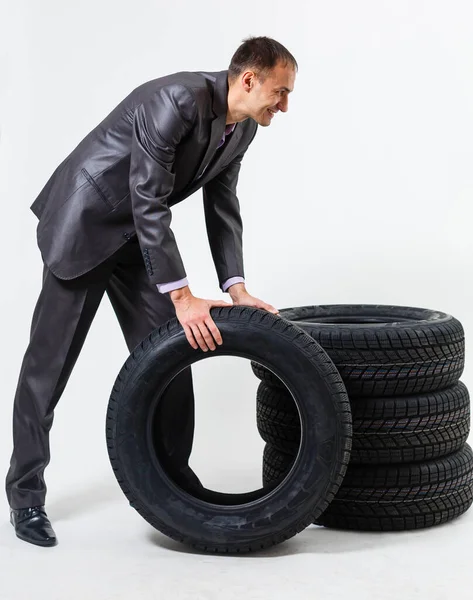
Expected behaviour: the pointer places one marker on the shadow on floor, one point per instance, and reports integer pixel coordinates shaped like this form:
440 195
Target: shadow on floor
313 540
84 500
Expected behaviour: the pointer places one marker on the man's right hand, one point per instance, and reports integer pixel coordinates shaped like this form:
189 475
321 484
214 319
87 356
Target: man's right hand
194 316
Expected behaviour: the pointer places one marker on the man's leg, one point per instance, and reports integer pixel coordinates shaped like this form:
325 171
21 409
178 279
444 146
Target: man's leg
140 309
61 320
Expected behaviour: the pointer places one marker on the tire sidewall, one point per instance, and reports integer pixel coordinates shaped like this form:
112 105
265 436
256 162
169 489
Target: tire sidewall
307 489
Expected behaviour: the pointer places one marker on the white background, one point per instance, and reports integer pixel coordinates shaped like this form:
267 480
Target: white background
360 193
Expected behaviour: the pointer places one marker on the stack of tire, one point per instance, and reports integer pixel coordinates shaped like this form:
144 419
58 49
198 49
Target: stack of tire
410 465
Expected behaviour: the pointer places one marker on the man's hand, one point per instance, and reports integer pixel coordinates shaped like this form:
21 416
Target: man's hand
194 316
241 297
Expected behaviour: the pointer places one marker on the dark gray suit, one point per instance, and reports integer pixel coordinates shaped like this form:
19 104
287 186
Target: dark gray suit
104 226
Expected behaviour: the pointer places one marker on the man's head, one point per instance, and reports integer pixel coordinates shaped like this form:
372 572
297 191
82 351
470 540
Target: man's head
260 76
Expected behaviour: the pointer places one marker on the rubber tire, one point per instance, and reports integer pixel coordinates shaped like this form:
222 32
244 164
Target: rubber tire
394 497
383 350
400 429
275 464
209 520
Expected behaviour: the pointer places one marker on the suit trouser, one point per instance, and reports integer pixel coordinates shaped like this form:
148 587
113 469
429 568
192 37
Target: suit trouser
61 319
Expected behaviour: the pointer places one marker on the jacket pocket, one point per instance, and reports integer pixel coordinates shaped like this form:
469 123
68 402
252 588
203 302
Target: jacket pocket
99 191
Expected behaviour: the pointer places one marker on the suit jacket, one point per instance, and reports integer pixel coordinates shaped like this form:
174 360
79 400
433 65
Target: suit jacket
157 147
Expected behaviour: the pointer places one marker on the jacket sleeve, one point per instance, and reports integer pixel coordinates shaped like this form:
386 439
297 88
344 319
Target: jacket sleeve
159 125
223 221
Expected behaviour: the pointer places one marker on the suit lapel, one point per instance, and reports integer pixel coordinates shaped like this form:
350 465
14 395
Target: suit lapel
230 145
219 108
216 132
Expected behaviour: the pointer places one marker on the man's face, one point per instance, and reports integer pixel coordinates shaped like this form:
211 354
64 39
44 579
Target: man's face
265 99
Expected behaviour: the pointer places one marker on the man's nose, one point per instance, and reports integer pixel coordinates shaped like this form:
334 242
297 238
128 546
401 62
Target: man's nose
283 105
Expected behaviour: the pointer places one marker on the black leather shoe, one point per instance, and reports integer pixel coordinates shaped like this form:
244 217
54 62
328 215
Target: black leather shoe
32 525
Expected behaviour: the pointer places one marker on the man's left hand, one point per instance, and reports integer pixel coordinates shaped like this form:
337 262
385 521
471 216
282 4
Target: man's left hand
241 297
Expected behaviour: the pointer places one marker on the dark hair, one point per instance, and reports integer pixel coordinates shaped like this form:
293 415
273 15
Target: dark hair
261 54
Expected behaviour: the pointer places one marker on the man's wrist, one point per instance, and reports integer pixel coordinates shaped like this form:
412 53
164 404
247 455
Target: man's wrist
163 288
230 281
236 290
180 294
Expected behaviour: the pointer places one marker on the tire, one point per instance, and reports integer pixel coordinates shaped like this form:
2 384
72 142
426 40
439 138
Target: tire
385 430
267 377
384 350
277 419
275 464
394 497
209 520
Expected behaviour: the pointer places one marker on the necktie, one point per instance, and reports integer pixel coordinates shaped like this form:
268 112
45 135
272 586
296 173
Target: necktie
228 130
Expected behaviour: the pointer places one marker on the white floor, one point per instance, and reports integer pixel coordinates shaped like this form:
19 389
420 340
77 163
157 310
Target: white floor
107 551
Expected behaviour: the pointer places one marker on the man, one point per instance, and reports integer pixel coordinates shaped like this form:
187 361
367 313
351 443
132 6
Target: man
104 226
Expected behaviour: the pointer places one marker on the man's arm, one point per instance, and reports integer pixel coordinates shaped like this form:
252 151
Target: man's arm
159 125
224 224
224 230
152 158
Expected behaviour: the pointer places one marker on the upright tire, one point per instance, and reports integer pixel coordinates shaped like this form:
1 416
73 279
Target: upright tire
210 520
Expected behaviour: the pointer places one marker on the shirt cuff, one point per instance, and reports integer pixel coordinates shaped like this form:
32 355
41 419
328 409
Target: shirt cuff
172 285
226 284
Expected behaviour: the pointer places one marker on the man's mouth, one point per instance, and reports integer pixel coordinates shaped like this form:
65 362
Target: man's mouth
271 112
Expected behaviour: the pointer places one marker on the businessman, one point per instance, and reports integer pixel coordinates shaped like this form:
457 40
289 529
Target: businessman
104 227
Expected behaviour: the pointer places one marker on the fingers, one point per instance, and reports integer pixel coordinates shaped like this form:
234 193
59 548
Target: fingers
268 307
206 335
202 332
209 341
199 338
263 306
218 303
199 327
214 331
190 336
